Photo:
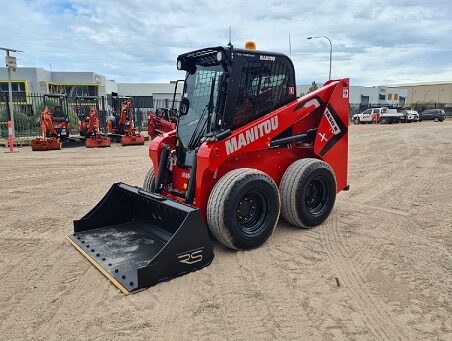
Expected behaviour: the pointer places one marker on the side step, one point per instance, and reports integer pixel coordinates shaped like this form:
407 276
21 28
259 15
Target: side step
137 239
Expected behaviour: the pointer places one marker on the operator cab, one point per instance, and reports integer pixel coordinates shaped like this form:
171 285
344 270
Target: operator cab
83 105
60 106
226 88
58 114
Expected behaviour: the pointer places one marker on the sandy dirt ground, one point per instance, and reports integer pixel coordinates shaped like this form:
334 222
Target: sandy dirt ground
388 242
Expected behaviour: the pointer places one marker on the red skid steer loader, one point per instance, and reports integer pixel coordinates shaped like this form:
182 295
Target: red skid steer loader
163 120
245 150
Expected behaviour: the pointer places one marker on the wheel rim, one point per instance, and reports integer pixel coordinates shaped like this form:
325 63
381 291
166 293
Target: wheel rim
316 196
252 210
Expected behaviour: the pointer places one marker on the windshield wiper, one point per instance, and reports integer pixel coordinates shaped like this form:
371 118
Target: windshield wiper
193 138
196 137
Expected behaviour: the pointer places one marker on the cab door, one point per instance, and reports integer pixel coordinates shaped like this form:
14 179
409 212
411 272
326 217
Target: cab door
366 115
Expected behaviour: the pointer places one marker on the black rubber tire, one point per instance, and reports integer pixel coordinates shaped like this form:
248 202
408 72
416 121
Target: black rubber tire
149 181
225 200
294 186
356 120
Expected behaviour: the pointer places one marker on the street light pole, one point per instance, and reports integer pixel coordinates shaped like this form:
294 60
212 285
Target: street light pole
331 51
10 64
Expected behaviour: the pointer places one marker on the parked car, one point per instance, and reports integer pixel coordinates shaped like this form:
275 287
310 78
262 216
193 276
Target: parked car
433 114
411 116
364 117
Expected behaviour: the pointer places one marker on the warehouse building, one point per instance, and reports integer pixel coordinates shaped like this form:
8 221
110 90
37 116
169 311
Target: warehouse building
28 81
364 97
429 95
35 80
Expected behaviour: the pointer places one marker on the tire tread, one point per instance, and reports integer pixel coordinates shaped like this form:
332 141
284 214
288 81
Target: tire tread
288 187
218 200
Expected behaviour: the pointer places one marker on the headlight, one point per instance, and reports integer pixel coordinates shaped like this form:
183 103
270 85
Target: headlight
219 56
179 65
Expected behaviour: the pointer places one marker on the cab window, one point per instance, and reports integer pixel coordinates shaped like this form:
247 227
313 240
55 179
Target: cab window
263 87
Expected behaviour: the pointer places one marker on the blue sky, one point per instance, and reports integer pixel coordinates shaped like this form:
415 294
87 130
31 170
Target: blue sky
374 42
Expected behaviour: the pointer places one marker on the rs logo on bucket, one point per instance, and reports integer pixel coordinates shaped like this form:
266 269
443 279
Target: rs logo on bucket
191 257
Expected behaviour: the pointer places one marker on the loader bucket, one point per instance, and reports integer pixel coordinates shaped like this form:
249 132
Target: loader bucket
40 144
132 140
98 141
137 239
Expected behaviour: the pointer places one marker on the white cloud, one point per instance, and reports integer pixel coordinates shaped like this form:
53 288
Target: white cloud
374 42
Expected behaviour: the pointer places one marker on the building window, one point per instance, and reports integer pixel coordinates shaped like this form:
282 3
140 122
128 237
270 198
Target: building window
396 97
389 97
382 97
18 90
74 90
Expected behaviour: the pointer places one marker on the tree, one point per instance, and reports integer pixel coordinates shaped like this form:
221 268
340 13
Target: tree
313 87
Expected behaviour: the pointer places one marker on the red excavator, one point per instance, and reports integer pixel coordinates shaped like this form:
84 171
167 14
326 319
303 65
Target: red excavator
121 122
49 139
246 150
87 108
163 120
55 126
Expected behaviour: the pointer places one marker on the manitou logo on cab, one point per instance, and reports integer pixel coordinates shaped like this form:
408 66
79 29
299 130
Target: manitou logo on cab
251 134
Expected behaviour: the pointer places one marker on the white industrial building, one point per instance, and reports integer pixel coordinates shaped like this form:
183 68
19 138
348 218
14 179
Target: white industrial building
371 96
35 80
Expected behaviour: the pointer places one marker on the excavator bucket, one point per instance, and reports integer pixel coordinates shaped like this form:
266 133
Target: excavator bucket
98 141
137 239
132 140
40 144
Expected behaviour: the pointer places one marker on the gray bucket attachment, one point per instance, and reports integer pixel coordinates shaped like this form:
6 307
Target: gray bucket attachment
137 239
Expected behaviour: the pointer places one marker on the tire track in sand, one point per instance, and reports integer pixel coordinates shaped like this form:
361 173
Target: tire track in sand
380 320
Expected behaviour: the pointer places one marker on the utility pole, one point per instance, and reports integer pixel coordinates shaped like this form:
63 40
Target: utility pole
290 47
10 63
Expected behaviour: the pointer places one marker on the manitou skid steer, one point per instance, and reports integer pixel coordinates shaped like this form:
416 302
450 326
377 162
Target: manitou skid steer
245 150
55 126
163 120
122 123
87 108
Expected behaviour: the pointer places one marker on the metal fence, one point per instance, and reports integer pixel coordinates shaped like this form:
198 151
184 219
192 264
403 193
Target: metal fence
28 108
